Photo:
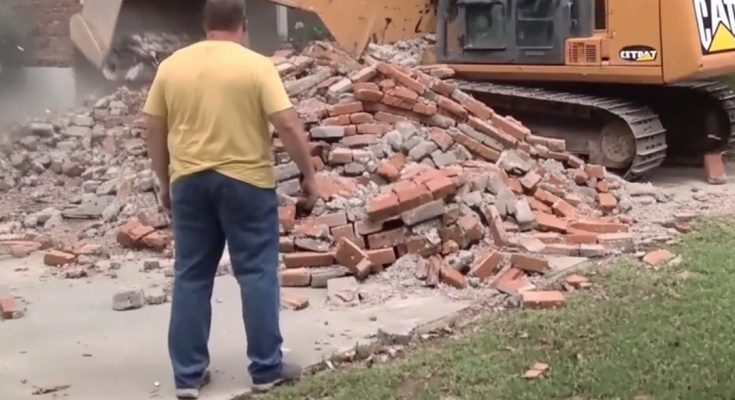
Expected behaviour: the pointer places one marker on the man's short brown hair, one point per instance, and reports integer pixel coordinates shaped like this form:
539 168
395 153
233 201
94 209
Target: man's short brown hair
224 15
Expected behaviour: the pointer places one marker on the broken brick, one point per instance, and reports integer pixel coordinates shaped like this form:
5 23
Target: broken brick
388 238
411 195
529 263
487 265
441 138
511 126
577 281
595 171
345 108
599 226
607 201
564 209
351 255
548 222
308 259
57 258
401 77
132 233
452 107
440 187
286 245
386 256
658 258
157 240
373 129
714 168
8 307
294 302
453 278
424 212
287 216
332 219
296 277
383 206
543 300
361 118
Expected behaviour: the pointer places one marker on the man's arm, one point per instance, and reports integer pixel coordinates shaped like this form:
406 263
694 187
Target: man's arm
291 131
285 119
156 111
157 137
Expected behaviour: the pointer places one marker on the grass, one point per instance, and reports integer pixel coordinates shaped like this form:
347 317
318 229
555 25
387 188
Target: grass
637 335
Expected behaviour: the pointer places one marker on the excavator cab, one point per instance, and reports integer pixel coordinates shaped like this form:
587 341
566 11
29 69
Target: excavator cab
509 31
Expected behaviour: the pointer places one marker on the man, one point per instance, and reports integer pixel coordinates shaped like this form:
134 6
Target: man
207 113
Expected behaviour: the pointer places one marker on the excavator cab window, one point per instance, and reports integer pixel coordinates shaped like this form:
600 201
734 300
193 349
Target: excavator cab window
486 25
511 31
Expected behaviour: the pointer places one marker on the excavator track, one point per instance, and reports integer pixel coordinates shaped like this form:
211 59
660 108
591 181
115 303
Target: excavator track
647 130
721 93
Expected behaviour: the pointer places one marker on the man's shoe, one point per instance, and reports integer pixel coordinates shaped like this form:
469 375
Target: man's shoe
192 393
289 373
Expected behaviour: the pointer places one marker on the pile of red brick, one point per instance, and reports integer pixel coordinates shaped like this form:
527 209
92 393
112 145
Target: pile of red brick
464 177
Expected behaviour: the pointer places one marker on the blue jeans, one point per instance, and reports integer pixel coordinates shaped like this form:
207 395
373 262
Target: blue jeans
208 209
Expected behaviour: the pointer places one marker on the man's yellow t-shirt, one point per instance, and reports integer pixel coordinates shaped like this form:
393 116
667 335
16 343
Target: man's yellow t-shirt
216 97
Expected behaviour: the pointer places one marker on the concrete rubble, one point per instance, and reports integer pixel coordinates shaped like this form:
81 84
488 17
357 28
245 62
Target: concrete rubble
420 183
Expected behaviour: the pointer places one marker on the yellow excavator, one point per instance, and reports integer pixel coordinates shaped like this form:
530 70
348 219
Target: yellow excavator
624 82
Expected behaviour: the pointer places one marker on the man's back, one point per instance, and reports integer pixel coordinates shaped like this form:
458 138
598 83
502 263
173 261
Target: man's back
216 97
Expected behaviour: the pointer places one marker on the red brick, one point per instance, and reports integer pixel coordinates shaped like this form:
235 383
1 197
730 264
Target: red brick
286 245
441 138
477 108
349 254
453 278
537 205
493 132
346 230
530 181
577 281
411 195
471 227
604 186
367 227
318 163
543 300
308 259
365 86
452 107
377 108
8 307
388 171
548 237
581 238
287 216
548 222
487 265
401 77
294 302
443 87
607 201
714 169
510 274
21 248
425 108
599 226
559 249
515 186
386 256
573 199
449 247
332 219
441 187
383 206
373 129
360 140
382 116
404 94
389 238
515 287
132 233
595 171
361 118
658 258
157 240
545 196
511 127
364 75
397 102
421 246
529 263
57 258
386 84
564 209
350 130
296 277
339 120
345 108
368 95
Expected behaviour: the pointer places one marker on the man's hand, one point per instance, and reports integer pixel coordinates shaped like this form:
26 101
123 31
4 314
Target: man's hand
310 190
164 198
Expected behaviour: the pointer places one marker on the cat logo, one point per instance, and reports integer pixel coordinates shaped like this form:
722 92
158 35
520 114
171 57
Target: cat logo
715 22
638 53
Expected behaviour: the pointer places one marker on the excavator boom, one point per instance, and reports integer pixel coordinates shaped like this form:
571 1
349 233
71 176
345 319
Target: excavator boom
352 23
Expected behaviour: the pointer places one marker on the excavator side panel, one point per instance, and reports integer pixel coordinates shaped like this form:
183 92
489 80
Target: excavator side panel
93 30
698 39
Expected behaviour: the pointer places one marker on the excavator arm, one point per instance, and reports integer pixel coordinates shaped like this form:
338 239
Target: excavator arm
352 23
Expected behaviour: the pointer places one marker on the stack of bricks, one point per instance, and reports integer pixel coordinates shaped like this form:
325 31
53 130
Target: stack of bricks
410 164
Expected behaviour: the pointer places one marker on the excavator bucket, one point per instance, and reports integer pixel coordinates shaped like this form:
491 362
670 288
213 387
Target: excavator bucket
104 25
